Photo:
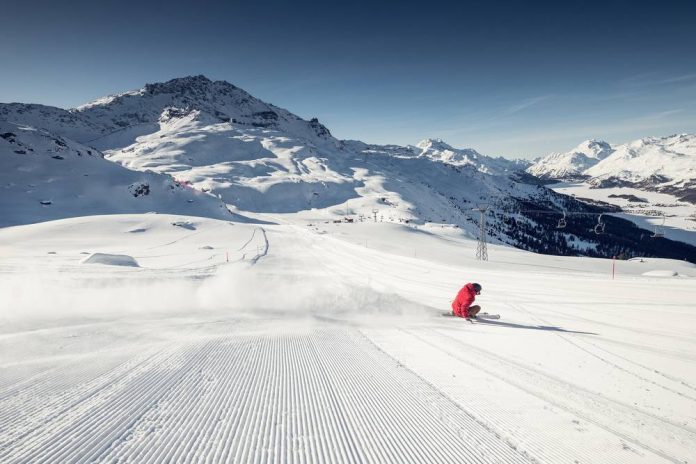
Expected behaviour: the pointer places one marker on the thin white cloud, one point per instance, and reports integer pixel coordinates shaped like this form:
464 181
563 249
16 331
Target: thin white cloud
682 78
660 114
524 104
654 78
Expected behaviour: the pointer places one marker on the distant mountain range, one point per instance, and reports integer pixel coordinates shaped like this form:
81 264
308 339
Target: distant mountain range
208 148
664 164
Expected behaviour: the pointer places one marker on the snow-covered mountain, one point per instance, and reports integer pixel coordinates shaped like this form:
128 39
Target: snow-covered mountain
573 163
117 120
261 159
44 176
665 164
437 150
55 120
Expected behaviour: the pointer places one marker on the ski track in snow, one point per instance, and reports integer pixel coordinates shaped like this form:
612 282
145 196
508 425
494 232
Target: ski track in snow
645 368
322 396
641 373
587 412
619 418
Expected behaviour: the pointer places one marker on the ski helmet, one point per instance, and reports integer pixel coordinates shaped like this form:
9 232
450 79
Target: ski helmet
477 287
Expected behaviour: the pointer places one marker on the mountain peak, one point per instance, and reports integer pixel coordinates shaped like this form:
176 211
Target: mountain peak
592 146
438 150
188 89
572 163
131 114
434 144
187 86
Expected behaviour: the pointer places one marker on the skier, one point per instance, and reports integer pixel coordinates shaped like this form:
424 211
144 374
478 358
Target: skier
461 306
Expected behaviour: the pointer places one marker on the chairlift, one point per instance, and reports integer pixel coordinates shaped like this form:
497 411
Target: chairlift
599 227
562 222
659 230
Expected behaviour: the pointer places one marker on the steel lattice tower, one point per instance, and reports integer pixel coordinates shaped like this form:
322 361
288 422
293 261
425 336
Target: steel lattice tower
481 248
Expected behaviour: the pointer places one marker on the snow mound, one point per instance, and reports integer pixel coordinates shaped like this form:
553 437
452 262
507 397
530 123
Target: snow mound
184 224
111 260
661 273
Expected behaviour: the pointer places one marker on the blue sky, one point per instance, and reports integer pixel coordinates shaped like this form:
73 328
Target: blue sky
518 79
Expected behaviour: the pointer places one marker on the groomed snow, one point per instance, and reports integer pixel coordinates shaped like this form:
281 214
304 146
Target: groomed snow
661 273
326 343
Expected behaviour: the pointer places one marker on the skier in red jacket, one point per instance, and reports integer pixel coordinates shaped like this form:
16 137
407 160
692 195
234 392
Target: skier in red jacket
461 306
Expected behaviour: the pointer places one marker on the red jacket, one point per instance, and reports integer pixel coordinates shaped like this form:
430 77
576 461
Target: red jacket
463 301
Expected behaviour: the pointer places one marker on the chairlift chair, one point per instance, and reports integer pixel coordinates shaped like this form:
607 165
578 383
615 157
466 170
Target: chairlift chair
658 231
562 222
599 227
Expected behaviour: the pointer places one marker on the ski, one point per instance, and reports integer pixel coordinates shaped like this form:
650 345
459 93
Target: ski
478 316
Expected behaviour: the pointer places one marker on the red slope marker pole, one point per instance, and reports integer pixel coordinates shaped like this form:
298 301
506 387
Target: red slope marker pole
613 267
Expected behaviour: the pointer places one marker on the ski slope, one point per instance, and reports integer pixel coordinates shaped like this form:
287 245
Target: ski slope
309 341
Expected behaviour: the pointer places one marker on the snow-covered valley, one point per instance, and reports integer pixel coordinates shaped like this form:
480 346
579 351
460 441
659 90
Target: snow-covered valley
661 213
238 342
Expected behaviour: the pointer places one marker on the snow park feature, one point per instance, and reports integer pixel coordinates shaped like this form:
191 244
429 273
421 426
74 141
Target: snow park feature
110 259
214 279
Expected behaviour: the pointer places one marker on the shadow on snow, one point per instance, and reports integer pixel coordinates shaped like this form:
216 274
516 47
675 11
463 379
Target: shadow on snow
549 328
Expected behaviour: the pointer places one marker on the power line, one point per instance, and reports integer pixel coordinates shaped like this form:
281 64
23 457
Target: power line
631 212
